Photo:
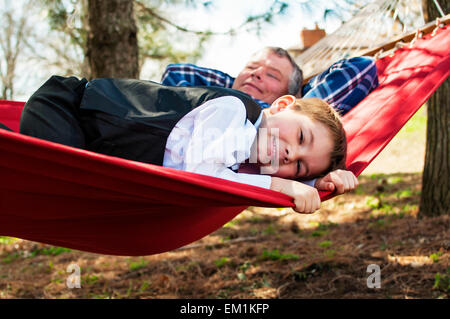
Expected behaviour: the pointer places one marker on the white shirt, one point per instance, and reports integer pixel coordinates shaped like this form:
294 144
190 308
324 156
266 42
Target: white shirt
213 137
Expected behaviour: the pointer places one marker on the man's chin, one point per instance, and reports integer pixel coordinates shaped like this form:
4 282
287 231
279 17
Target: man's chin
252 91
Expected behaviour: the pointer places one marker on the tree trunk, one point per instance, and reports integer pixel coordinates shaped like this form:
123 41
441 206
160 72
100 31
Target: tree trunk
435 198
112 42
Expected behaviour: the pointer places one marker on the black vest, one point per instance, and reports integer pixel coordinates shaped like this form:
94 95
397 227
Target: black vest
132 119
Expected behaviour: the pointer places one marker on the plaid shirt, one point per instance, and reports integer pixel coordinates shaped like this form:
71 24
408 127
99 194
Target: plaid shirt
343 85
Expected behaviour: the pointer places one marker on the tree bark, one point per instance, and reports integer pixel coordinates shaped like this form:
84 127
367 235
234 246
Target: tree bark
435 197
112 47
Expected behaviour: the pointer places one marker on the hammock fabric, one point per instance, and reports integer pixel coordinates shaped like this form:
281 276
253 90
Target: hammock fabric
73 198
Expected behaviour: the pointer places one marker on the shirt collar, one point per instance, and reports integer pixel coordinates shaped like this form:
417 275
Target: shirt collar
258 121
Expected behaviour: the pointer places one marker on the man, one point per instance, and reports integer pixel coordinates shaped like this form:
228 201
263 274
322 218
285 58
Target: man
272 72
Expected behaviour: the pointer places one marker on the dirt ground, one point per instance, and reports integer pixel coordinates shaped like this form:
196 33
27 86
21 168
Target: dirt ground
337 252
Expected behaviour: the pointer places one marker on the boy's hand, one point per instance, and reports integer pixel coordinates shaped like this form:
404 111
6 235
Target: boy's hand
306 198
339 180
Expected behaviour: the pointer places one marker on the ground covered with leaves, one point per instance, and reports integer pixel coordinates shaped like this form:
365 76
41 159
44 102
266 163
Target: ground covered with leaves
264 253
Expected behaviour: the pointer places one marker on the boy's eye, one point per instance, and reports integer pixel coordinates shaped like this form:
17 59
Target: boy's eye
301 137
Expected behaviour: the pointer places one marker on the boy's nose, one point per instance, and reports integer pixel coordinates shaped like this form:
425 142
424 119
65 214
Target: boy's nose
288 156
291 155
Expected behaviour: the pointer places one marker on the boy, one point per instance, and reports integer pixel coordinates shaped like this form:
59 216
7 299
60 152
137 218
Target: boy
203 130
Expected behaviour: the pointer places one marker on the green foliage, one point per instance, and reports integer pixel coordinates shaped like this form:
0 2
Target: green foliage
276 255
442 281
7 240
325 243
269 230
68 17
222 262
245 266
330 252
407 209
225 239
394 180
319 233
50 251
11 258
47 251
256 220
379 223
373 202
406 193
231 223
136 265
264 282
417 123
89 279
435 257
145 286
323 229
161 36
378 176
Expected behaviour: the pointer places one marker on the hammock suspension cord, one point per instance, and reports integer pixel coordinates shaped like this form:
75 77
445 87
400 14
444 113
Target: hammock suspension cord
369 28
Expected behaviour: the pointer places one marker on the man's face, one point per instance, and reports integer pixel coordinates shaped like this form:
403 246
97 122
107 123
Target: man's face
265 77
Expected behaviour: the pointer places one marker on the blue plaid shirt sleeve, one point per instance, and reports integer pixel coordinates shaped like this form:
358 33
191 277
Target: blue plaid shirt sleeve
191 75
344 84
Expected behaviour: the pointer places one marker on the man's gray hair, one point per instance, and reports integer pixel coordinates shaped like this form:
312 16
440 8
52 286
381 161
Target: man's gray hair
296 78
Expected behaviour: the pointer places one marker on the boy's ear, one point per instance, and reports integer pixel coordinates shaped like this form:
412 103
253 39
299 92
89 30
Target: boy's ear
282 103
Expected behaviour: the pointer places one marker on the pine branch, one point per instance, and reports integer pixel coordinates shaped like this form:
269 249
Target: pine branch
277 7
151 12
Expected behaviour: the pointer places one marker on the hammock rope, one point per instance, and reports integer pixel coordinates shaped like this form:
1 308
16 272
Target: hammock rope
73 198
368 29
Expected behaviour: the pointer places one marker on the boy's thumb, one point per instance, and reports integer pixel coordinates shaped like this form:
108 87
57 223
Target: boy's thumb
330 187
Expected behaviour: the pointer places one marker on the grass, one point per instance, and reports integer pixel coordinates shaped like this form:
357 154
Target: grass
325 244
136 265
442 281
276 255
222 262
49 251
435 256
7 240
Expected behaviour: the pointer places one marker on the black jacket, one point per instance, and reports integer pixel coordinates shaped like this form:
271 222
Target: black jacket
132 118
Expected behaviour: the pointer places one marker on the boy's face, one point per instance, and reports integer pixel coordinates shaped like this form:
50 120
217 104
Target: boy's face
301 150
265 77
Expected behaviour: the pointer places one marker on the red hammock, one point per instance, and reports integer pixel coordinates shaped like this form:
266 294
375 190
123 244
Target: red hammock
68 197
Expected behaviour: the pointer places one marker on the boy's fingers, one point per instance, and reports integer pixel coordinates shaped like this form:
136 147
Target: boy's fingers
300 206
353 182
348 184
356 180
339 184
315 201
330 187
318 201
308 207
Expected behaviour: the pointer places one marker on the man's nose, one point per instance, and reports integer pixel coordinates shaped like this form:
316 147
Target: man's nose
257 73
